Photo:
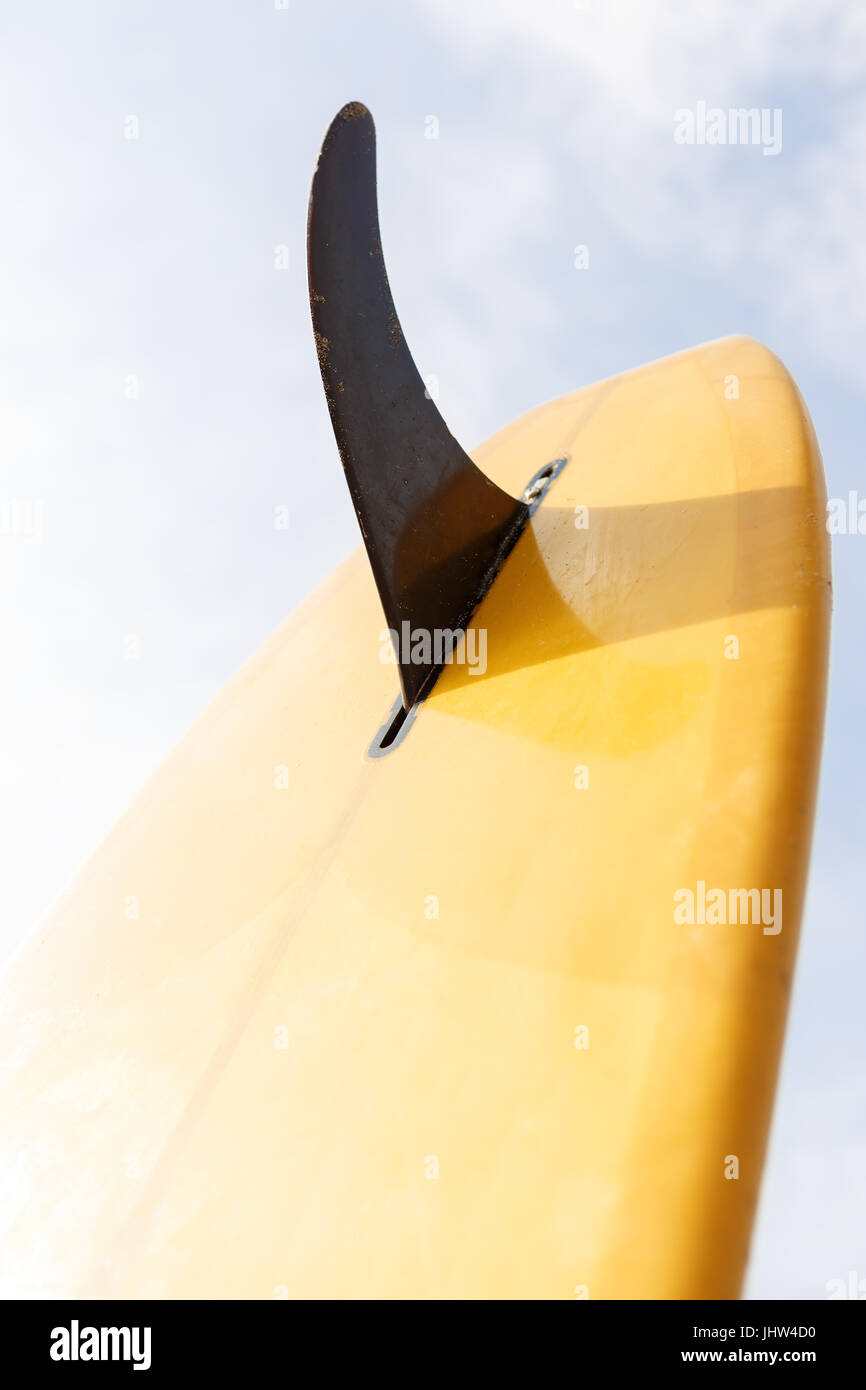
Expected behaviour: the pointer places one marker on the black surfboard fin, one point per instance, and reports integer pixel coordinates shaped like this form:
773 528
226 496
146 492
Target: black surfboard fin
436 529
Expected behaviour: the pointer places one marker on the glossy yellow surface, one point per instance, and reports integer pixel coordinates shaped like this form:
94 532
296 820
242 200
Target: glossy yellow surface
334 1054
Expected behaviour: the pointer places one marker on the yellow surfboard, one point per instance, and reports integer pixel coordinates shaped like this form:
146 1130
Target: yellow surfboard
497 1014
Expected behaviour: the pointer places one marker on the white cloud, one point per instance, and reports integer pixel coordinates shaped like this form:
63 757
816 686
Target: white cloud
607 80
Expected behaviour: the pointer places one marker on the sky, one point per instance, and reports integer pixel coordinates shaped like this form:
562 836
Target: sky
160 395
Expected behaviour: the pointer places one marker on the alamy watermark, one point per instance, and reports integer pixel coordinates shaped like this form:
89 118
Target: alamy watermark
737 906
738 125
852 1287
77 1343
420 646
22 518
846 518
